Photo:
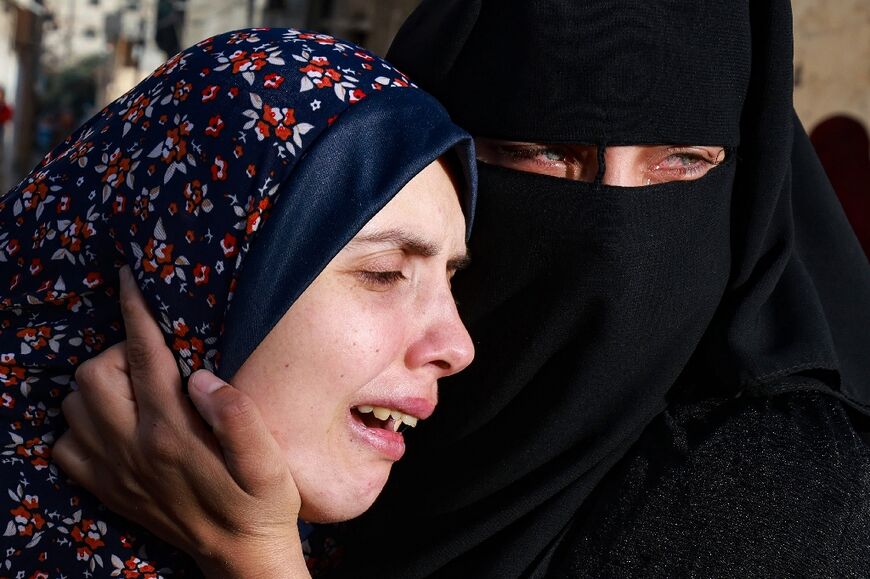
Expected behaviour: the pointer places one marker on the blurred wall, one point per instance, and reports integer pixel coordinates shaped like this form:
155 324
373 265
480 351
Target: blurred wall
390 15
832 59
204 18
8 59
9 81
370 23
76 29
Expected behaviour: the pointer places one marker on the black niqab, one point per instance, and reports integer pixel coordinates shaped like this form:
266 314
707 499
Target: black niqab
591 306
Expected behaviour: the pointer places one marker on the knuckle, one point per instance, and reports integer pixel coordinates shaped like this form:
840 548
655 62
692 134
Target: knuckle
129 305
96 371
234 408
70 403
140 354
87 373
120 496
61 450
275 474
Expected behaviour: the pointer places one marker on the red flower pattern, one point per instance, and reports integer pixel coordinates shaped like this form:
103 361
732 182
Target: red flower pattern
281 120
175 178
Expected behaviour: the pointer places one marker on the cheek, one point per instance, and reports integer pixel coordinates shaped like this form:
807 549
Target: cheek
321 352
326 354
350 342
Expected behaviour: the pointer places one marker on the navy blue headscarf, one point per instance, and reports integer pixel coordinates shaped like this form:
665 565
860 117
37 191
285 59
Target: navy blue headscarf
226 180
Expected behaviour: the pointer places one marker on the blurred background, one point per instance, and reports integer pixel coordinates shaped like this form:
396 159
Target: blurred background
63 60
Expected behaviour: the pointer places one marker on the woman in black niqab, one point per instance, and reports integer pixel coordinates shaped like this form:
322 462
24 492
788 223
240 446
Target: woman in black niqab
659 367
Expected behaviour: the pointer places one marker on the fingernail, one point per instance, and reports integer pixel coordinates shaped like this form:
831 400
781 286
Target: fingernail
205 381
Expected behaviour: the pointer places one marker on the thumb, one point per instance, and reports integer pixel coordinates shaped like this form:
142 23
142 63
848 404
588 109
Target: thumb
252 455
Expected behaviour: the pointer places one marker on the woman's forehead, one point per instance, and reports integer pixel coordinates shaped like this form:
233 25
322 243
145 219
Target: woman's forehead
424 218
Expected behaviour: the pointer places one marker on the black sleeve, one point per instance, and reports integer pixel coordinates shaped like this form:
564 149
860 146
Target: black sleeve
749 487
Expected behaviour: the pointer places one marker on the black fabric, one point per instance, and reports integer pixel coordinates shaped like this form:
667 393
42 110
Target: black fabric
840 273
608 271
590 306
583 71
699 497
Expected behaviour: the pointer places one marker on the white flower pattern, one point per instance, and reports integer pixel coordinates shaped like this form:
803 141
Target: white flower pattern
174 178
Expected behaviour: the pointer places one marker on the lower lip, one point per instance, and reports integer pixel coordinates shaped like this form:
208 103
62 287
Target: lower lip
388 443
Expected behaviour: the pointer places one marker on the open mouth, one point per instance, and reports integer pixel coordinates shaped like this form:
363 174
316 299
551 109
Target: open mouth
384 418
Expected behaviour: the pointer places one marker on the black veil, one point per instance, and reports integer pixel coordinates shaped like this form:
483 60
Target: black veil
592 306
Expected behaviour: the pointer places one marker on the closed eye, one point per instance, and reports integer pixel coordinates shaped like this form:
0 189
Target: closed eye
381 279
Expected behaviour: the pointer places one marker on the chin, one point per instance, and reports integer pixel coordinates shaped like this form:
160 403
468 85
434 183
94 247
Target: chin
335 505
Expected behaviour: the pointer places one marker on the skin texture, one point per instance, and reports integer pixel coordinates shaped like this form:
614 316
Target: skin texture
379 325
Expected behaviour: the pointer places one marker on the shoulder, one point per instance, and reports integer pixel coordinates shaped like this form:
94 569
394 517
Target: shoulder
746 486
767 436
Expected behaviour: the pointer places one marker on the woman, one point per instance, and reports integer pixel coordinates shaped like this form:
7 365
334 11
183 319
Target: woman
258 170
660 361
708 337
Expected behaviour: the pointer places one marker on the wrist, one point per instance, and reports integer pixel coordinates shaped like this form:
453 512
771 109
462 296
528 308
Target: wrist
279 559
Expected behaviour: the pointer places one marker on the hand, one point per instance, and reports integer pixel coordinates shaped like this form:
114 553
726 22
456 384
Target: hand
224 495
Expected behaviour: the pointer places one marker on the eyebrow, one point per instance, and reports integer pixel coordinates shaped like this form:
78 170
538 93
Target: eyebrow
410 244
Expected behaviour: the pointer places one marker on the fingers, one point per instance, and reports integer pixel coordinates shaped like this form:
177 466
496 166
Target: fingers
251 453
113 359
153 372
122 495
73 459
105 394
78 417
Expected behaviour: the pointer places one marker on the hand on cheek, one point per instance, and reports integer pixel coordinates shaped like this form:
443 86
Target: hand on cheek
223 494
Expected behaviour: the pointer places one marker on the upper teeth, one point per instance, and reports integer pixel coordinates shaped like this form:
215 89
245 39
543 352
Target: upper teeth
382 413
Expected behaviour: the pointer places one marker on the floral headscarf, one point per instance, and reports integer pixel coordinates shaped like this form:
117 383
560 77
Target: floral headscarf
298 135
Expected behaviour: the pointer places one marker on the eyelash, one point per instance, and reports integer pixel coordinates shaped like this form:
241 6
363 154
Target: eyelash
699 164
532 154
382 278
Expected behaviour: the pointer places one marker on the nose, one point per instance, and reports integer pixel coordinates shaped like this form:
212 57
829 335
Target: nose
444 344
621 167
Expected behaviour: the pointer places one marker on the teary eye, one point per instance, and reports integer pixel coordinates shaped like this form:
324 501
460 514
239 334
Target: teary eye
684 163
556 160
